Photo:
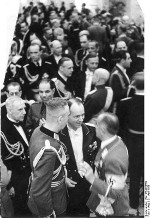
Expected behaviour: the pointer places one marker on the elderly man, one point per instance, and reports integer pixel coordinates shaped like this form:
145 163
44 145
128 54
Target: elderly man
108 184
14 148
37 111
47 195
100 99
79 139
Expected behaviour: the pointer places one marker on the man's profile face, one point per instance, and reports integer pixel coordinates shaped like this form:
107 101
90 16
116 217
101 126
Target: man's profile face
18 111
57 48
127 61
45 92
67 68
13 90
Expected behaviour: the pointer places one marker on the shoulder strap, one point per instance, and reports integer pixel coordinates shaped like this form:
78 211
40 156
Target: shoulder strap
48 146
108 98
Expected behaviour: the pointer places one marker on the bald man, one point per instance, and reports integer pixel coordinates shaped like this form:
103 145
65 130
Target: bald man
111 167
121 45
99 99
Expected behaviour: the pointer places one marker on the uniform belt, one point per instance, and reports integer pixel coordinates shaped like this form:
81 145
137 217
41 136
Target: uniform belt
57 183
136 132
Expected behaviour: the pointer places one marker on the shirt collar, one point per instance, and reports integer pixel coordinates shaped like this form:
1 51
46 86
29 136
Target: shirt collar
108 141
76 132
88 72
48 132
12 120
40 62
121 68
60 74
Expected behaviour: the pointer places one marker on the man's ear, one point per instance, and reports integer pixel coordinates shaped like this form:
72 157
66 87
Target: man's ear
20 93
59 119
7 94
53 90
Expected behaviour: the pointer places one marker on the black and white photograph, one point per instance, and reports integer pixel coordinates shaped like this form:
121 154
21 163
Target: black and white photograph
74 108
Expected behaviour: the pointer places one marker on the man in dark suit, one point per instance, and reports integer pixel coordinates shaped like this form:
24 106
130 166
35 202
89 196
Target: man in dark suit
82 52
65 78
14 150
56 50
35 70
119 80
108 184
100 99
82 145
47 195
131 116
37 112
84 78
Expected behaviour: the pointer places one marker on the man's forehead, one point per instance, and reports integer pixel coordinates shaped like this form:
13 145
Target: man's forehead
12 88
44 86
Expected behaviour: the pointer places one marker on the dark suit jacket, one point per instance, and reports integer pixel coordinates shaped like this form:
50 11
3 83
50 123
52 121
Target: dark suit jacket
80 84
80 193
119 84
95 102
52 60
19 165
35 113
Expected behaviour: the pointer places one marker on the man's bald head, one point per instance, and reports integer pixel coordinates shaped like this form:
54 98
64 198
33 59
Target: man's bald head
56 47
121 45
100 76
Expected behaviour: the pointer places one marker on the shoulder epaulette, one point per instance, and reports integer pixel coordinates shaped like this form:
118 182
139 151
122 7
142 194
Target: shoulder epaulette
47 62
124 99
91 92
25 65
17 65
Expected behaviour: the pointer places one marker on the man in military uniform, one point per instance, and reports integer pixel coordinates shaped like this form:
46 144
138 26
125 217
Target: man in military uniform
48 189
35 70
109 192
14 148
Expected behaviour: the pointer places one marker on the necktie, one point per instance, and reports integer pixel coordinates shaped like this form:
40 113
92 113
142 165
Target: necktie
17 123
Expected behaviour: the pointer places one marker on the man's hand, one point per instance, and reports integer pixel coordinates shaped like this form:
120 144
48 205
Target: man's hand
87 172
70 183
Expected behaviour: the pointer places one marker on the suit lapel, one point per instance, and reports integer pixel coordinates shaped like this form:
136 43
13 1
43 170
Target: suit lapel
66 140
16 134
86 131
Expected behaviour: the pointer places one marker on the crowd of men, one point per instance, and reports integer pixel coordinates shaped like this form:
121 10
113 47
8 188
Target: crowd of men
72 114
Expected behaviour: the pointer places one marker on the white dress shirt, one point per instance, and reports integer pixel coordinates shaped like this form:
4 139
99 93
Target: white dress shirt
76 138
57 58
88 83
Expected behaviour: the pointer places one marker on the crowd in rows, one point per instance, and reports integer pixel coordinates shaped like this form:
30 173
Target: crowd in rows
92 63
